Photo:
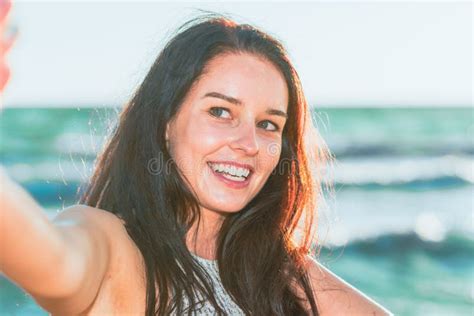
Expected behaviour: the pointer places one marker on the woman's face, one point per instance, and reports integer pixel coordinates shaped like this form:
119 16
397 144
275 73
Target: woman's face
226 137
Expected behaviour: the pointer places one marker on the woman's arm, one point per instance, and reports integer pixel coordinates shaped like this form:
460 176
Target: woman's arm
336 297
60 263
32 249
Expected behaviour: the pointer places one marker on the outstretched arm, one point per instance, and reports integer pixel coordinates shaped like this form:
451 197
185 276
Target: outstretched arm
337 297
61 263
31 248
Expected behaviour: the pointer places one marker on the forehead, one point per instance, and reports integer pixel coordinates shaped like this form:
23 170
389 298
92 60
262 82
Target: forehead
252 79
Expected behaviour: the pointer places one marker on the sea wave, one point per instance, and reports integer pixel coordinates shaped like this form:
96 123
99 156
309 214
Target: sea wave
345 149
407 173
403 172
455 244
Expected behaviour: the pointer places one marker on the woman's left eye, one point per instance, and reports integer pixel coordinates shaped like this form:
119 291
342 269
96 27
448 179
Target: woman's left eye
273 126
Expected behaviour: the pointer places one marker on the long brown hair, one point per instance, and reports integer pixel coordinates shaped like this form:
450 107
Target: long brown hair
260 259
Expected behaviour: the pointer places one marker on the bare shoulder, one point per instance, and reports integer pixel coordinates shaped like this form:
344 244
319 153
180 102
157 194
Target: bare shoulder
335 296
90 236
96 221
101 226
83 214
109 225
104 227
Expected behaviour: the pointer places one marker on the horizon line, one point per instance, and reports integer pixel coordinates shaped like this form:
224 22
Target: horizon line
324 106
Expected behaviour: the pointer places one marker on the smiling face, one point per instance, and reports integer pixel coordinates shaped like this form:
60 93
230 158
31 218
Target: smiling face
226 137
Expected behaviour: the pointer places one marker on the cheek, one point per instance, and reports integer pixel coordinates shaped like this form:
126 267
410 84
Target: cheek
207 140
270 152
195 143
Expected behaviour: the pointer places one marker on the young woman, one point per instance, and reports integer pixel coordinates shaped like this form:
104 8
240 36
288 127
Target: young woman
202 201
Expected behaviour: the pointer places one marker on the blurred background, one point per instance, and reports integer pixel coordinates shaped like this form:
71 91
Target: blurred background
390 85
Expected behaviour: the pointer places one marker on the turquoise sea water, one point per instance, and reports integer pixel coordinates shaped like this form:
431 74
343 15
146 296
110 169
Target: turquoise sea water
399 228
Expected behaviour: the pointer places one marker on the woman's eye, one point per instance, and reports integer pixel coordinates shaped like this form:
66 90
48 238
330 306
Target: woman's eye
224 113
218 112
272 127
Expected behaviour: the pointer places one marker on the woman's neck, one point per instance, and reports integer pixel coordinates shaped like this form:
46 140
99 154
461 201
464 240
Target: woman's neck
201 240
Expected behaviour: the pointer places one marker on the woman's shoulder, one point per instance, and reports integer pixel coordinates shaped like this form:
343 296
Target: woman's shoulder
85 214
93 219
99 222
122 283
335 296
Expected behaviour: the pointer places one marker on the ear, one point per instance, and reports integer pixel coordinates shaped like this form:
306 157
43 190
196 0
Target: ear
167 138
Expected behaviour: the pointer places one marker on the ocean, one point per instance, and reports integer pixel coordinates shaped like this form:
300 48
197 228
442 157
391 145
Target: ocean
398 226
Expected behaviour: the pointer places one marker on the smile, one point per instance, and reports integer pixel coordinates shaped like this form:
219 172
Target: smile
235 176
230 170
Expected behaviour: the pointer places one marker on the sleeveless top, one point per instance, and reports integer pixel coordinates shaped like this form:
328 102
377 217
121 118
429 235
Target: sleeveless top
223 298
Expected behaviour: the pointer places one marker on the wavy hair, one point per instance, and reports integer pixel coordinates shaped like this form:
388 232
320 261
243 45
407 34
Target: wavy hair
262 249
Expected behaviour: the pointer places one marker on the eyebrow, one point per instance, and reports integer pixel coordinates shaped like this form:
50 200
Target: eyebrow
239 102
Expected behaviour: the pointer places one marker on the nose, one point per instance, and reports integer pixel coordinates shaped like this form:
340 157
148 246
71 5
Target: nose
245 139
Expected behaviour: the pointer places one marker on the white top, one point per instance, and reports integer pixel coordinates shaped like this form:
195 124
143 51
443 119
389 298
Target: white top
223 298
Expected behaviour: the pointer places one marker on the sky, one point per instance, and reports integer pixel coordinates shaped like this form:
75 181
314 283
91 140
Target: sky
349 53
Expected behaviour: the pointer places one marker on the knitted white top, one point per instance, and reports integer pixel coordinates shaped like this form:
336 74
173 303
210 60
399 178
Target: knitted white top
221 295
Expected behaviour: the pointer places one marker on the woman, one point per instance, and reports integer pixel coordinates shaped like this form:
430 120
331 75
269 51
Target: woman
196 202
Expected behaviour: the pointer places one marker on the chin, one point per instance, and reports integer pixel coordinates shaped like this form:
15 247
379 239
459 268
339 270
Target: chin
226 209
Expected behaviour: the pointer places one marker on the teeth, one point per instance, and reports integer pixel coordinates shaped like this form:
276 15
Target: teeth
231 170
228 176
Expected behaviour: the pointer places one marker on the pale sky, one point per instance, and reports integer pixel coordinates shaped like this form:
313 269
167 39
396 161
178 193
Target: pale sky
347 54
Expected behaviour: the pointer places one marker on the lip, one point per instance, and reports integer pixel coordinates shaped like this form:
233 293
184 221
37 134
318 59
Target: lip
231 183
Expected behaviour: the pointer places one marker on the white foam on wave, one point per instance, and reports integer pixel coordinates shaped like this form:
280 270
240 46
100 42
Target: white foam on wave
63 170
429 227
79 143
391 170
355 214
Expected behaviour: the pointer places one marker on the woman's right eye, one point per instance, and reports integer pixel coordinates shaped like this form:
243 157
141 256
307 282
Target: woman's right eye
218 112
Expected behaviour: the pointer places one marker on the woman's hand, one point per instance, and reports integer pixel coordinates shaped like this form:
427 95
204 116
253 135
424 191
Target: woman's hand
5 42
